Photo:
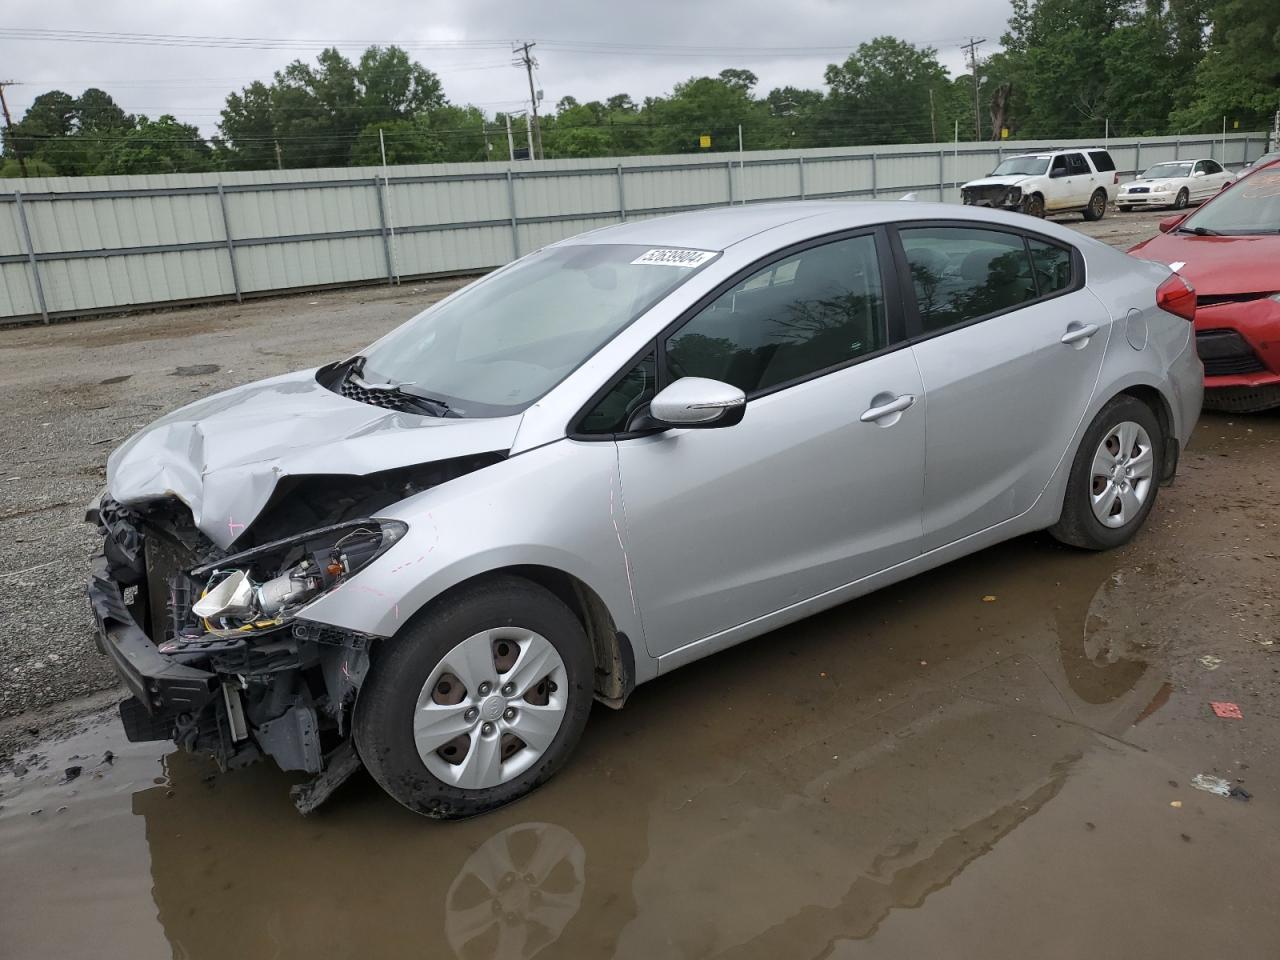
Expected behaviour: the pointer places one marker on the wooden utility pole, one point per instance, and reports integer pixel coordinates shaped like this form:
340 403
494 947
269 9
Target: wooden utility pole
526 60
8 127
933 123
972 47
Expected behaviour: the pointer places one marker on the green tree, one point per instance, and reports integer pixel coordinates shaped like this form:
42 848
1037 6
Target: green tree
97 112
712 106
35 167
1143 78
157 146
70 134
407 141
1239 76
248 130
317 112
881 94
1058 54
578 130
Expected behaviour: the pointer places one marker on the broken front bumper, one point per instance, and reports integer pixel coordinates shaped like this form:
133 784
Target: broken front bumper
1001 198
162 688
287 693
1238 338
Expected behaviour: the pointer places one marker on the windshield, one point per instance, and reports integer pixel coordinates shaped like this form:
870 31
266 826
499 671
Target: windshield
1161 170
501 343
1026 166
1251 206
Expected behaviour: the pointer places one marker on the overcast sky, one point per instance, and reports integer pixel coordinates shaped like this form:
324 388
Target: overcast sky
192 82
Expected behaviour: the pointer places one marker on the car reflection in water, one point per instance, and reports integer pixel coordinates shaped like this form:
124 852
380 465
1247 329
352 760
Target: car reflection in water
772 818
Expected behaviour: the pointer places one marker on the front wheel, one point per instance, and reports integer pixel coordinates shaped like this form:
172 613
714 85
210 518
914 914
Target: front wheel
1114 478
1097 207
478 701
1033 205
1182 199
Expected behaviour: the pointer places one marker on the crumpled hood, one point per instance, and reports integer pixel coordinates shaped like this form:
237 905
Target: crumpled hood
223 456
1007 180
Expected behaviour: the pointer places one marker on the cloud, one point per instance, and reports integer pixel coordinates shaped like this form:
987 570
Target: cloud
586 48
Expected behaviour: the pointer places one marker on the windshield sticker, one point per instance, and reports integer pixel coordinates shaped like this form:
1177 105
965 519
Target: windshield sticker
670 257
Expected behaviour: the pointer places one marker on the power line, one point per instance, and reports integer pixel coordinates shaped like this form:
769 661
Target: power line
611 48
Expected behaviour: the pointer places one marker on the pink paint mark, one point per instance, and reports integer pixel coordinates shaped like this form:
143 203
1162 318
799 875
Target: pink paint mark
232 527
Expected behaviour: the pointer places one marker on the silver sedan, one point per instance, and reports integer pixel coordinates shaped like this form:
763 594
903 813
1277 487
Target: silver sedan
617 455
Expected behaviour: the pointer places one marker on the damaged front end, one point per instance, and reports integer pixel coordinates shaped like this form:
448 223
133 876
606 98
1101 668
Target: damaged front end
211 647
998 196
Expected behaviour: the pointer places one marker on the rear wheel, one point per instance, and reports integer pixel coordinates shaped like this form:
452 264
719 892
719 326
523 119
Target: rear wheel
1182 199
1114 478
1097 207
1033 205
478 702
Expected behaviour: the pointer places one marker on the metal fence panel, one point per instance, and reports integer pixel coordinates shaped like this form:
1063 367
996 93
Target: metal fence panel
99 244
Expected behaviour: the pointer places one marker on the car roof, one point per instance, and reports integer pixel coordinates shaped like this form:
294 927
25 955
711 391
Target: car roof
718 228
1054 151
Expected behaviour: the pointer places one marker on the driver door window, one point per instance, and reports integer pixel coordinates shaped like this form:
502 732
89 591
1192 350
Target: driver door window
816 310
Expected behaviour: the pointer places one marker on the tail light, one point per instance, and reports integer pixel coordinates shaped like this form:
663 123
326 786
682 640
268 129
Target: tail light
1116 178
1177 296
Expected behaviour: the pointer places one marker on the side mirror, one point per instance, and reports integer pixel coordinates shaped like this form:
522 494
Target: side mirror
1057 172
1198 173
1170 223
698 402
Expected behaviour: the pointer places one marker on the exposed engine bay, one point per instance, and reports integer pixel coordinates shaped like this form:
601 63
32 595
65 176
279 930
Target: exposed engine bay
209 641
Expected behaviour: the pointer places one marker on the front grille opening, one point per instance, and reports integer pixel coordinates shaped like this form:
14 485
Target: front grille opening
1213 300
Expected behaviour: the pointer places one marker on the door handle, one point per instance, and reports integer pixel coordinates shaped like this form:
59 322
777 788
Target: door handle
1076 334
896 405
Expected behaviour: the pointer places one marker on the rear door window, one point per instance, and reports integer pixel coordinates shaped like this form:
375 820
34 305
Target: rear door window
1102 161
961 274
1052 266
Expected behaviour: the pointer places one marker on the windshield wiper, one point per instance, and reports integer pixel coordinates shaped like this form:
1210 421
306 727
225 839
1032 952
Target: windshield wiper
1200 231
432 405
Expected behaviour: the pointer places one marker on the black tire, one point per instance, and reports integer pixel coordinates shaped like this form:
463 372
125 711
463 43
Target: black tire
1181 201
1033 205
388 698
1097 208
1077 525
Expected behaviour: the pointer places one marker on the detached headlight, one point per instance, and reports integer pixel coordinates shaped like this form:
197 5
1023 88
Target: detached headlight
264 587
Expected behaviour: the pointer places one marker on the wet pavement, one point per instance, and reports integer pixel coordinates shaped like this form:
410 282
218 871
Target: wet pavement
993 759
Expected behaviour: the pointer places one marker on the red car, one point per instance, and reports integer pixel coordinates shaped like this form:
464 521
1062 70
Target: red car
1229 250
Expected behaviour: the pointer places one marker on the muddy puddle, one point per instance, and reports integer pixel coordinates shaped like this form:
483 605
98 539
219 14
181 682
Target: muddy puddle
992 760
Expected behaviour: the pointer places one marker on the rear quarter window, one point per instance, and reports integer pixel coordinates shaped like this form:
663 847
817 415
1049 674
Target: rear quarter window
1102 161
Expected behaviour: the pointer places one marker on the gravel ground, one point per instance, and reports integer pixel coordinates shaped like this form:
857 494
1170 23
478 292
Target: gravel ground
71 392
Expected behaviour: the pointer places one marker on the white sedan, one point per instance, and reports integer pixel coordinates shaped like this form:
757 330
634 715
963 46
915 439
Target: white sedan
1175 183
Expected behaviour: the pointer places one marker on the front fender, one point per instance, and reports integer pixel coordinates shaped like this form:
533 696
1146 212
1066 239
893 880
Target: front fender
557 506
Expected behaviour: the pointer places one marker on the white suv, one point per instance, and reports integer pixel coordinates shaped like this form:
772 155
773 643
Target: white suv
1054 181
